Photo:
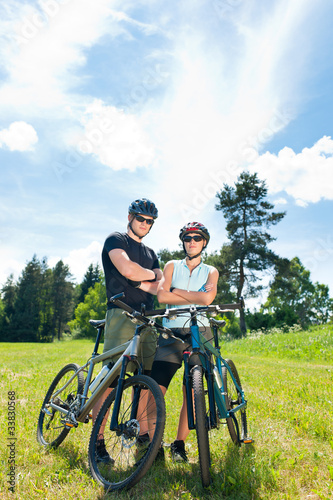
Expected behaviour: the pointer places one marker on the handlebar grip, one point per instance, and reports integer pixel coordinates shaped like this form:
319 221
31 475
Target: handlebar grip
115 300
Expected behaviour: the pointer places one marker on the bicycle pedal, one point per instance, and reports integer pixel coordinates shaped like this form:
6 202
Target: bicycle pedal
88 418
70 425
247 440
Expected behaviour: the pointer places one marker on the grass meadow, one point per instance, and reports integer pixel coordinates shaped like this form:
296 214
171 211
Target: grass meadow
288 382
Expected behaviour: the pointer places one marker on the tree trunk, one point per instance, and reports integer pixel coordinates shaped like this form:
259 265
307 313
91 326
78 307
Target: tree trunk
242 323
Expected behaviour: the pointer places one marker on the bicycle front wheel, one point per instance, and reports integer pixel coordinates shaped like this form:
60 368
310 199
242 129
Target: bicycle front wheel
51 428
237 424
201 425
142 411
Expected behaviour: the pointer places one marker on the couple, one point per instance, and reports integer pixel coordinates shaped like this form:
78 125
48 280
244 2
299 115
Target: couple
133 268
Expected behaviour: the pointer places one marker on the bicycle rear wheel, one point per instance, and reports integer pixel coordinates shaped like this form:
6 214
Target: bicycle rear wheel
129 459
51 428
237 424
201 425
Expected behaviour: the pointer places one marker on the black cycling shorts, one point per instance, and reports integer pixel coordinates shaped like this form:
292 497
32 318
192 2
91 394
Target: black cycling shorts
169 355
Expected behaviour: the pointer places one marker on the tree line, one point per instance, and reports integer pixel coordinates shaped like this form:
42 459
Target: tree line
45 303
39 306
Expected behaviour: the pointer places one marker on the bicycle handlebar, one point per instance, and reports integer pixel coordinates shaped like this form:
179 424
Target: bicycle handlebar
175 311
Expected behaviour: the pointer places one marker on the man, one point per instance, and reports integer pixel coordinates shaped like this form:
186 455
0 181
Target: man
184 282
130 267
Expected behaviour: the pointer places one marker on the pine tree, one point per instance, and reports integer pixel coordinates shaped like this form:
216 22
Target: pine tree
62 294
248 215
26 318
93 275
9 292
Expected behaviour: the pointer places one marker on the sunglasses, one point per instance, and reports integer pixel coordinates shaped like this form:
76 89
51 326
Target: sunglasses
139 218
188 238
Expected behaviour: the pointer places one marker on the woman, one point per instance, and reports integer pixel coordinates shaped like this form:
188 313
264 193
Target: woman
184 282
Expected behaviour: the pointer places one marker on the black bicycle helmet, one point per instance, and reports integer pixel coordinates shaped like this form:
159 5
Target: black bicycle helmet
143 207
194 227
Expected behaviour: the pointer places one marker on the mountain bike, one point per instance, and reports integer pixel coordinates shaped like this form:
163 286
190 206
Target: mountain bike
135 401
213 389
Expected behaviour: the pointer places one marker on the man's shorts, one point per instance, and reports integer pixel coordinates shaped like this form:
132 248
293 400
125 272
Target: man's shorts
119 329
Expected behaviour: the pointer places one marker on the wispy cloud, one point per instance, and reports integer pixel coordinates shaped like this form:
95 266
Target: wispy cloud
44 45
115 138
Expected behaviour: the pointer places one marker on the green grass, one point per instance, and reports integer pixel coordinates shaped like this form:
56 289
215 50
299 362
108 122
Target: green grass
288 381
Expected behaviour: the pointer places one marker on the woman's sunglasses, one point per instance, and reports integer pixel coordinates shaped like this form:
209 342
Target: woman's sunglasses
139 218
188 238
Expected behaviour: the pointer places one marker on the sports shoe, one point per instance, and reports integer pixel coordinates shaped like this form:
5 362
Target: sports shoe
178 452
160 457
102 454
142 450
143 439
143 443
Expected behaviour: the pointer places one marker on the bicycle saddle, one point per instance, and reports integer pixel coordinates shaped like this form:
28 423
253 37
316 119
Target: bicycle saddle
97 323
218 322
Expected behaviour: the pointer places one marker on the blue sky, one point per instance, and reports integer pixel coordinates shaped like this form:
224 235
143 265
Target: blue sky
106 101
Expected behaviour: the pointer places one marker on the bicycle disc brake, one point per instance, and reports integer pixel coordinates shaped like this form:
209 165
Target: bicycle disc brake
130 433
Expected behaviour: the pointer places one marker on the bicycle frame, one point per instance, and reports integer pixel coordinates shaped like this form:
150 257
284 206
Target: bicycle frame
216 394
128 351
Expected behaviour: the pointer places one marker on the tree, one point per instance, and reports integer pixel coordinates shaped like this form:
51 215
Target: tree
223 263
9 292
294 298
93 307
25 321
62 293
248 215
322 303
165 255
46 304
93 275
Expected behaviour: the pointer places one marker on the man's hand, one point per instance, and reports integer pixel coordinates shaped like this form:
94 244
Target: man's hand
134 284
155 279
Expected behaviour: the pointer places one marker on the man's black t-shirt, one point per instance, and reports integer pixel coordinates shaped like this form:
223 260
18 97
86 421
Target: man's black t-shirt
115 282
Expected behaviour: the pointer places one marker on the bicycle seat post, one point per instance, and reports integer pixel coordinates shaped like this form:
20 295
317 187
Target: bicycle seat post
98 339
216 339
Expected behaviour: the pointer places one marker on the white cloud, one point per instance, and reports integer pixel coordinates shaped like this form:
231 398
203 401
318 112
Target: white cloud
306 176
117 139
79 259
11 265
19 136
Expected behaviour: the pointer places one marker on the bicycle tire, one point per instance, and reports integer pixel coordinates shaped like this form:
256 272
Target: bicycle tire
130 460
51 431
201 425
237 425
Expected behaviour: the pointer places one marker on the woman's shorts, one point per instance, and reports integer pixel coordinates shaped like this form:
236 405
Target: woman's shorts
169 354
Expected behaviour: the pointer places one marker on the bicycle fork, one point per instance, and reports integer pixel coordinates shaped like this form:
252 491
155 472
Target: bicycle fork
114 425
212 422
